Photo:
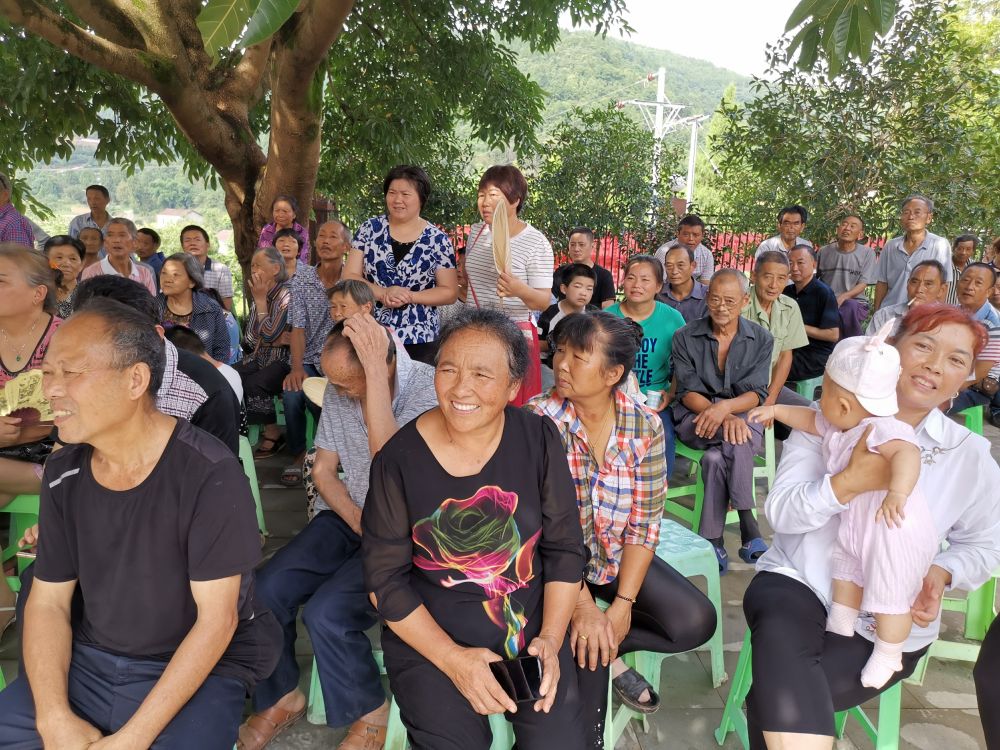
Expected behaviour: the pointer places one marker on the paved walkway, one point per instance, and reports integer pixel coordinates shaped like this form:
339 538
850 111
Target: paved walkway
941 714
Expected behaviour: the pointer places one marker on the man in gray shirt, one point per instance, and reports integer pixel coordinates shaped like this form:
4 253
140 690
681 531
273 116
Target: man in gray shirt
902 254
925 285
374 389
791 223
848 267
681 290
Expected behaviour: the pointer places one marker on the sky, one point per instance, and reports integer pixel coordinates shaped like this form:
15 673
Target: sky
728 33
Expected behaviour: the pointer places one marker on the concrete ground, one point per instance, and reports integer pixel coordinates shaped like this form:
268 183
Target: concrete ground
941 714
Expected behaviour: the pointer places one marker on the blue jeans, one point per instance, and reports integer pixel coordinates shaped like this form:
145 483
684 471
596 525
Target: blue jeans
971 397
106 689
320 570
296 404
668 438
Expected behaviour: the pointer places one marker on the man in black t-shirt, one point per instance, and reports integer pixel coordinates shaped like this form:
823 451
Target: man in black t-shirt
153 521
820 314
581 250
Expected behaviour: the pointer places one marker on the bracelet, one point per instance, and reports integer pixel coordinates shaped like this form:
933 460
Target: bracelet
625 598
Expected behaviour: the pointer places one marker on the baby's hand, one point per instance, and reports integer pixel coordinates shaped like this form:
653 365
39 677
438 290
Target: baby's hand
892 509
761 415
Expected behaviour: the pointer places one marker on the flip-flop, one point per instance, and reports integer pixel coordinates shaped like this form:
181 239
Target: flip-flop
274 445
752 550
291 476
629 685
263 726
723 557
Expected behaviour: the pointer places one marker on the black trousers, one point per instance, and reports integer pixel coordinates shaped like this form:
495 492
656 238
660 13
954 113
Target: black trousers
670 616
438 717
260 386
987 676
801 673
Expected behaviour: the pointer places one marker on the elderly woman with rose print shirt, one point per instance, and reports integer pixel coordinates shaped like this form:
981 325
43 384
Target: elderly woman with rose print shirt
472 548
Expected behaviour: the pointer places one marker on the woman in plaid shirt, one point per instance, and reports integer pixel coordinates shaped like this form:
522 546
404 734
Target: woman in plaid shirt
616 453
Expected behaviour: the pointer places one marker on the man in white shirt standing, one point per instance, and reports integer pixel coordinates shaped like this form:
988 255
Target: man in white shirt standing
119 243
98 217
791 223
690 233
194 241
902 254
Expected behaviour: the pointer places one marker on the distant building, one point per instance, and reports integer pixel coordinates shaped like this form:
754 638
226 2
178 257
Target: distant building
224 242
170 216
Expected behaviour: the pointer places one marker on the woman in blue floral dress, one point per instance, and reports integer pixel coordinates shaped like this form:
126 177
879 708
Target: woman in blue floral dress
408 262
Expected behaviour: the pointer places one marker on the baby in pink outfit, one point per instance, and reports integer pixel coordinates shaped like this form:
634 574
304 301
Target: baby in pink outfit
882 553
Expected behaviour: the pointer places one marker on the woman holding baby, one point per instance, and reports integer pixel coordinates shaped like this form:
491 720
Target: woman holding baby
803 671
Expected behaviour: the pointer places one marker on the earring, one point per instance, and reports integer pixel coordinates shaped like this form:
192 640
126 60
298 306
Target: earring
955 395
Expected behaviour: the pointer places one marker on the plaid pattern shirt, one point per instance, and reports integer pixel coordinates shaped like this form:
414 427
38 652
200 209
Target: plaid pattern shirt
15 228
179 396
217 276
621 501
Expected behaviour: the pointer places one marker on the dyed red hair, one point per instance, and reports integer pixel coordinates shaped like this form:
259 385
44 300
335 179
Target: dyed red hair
931 316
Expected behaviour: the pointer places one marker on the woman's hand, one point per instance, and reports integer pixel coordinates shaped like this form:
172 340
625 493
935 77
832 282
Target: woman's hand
619 614
591 636
865 472
397 296
510 286
927 605
258 287
547 651
469 669
10 431
762 415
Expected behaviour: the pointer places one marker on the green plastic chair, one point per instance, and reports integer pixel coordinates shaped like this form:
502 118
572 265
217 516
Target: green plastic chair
23 511
764 469
884 734
279 408
807 388
973 418
246 458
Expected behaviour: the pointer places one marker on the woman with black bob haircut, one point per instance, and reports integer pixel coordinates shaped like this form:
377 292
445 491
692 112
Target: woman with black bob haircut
617 456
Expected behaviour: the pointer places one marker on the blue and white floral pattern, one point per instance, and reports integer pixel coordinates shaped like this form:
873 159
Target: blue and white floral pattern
413 324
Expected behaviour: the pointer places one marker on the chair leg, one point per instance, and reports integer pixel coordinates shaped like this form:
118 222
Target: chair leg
316 707
395 736
889 707
733 718
715 643
980 611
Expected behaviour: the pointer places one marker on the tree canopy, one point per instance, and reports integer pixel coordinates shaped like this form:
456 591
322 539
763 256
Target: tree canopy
919 116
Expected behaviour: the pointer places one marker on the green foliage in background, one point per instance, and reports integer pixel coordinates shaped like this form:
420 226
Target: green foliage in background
920 116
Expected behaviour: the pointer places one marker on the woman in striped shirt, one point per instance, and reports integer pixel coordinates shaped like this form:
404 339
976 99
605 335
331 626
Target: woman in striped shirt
616 452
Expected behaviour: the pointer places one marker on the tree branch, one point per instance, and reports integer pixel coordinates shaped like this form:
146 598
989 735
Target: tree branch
319 25
109 22
66 35
246 77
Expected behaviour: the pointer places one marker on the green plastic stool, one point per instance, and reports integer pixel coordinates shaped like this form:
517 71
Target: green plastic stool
973 418
807 388
23 511
246 458
885 734
764 469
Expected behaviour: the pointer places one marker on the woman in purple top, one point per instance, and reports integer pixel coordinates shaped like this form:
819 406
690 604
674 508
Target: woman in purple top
284 211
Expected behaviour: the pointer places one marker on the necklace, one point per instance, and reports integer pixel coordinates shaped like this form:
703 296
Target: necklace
928 456
597 435
20 351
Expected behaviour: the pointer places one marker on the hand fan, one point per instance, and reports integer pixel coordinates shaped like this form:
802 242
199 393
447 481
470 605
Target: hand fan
501 236
314 388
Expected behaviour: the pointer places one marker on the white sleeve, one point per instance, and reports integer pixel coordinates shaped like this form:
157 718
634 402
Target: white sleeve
973 553
540 264
801 498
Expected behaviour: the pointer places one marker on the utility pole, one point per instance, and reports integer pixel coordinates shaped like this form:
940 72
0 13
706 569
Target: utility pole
692 157
661 117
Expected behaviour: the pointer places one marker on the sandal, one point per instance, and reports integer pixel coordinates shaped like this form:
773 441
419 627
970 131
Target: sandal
723 557
10 623
752 550
291 476
629 685
364 736
264 726
273 446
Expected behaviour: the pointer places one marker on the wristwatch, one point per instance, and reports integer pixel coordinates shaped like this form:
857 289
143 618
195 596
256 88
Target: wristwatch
988 386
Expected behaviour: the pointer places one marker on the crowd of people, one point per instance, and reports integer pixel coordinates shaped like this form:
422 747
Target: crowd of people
504 534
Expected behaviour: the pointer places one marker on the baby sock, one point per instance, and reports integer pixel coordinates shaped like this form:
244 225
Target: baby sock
841 619
885 660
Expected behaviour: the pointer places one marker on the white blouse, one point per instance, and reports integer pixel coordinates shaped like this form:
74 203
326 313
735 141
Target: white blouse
959 478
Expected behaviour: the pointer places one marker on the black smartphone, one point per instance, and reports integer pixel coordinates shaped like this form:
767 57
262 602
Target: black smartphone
521 677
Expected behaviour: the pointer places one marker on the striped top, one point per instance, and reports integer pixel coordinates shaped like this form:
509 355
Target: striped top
531 261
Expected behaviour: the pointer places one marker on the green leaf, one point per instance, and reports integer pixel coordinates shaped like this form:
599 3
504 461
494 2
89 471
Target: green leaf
806 9
854 32
798 38
267 19
221 22
866 30
838 37
810 48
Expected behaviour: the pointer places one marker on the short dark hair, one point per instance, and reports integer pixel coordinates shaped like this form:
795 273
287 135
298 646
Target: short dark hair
288 233
803 246
103 190
492 323
852 215
194 228
966 238
679 246
795 208
617 339
184 338
59 240
336 339
508 180
125 291
356 289
152 234
585 231
133 339
574 270
691 220
413 174
770 256
936 265
917 197
289 200
980 264
635 260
